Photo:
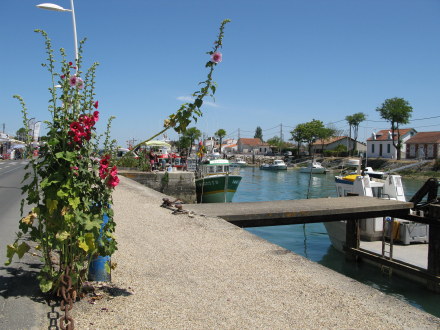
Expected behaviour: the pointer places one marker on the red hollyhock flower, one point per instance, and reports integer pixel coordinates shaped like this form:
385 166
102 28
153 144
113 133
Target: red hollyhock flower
76 127
96 115
113 181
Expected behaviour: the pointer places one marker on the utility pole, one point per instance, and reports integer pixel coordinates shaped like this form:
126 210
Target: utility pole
281 132
131 142
238 134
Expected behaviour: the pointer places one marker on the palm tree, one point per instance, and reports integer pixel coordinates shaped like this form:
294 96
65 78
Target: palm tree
221 133
353 122
192 134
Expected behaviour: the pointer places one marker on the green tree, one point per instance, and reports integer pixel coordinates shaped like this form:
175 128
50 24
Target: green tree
353 122
21 134
258 133
276 142
220 134
323 134
298 135
191 134
397 111
310 132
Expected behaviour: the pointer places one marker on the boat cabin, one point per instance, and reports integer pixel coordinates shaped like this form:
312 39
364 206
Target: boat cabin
215 166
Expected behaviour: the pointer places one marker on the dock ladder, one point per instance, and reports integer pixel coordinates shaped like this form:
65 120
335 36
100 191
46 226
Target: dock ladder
387 246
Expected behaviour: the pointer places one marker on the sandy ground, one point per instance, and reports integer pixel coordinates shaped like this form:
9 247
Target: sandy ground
192 272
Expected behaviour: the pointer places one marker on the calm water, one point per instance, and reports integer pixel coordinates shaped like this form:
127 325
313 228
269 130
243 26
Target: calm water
312 242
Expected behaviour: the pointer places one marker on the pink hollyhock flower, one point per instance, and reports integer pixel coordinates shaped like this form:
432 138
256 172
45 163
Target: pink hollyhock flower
95 104
74 167
216 57
79 83
73 81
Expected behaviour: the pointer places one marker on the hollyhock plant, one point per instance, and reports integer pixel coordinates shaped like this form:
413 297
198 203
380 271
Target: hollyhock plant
68 189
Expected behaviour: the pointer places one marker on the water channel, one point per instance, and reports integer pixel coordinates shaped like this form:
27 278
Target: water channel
312 242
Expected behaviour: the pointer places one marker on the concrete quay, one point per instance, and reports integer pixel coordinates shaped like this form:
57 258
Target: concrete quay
193 272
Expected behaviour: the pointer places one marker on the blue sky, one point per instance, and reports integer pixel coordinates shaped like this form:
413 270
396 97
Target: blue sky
284 62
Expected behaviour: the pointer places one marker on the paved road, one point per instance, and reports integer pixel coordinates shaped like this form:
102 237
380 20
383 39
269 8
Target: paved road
21 306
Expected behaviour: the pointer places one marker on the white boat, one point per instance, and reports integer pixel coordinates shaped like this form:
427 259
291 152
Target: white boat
313 167
239 163
277 165
216 182
374 174
372 229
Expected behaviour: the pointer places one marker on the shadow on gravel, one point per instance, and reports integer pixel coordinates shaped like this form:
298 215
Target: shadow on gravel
20 280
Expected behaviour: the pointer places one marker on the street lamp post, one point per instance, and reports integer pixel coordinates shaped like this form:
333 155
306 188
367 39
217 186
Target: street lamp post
51 6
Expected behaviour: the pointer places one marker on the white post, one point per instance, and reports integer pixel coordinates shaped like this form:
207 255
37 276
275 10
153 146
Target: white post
74 30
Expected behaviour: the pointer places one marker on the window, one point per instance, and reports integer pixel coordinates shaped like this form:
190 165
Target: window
380 149
372 148
388 148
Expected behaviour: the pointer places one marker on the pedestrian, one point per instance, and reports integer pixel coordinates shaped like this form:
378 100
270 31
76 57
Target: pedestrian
152 158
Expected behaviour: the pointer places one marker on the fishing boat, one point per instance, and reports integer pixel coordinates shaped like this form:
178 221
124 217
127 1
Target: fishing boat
372 229
313 167
277 165
216 181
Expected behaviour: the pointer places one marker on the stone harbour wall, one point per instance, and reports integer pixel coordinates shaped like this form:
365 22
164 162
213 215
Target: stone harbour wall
179 184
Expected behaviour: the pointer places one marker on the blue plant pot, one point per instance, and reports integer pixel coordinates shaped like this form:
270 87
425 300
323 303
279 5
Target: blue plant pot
97 270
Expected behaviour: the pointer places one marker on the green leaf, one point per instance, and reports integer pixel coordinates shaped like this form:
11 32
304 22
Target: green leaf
90 241
10 251
62 193
22 249
74 202
53 142
83 245
89 225
198 103
51 205
45 284
107 267
62 236
87 243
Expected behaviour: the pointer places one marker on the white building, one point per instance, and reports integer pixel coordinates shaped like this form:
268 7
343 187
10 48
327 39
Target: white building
380 144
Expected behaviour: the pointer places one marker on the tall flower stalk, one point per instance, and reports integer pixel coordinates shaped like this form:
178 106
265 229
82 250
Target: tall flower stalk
68 187
192 110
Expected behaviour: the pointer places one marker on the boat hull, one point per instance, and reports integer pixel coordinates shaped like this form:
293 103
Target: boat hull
314 170
274 168
217 189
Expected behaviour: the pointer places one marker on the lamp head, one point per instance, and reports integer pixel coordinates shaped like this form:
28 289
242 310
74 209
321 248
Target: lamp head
52 6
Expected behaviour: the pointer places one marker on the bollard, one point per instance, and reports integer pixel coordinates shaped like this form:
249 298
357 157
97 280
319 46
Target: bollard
97 271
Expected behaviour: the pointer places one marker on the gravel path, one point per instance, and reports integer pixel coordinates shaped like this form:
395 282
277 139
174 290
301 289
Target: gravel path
183 272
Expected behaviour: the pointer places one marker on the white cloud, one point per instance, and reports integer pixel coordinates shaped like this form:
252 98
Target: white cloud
191 99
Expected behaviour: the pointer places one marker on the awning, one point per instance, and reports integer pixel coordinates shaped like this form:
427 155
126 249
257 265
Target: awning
157 143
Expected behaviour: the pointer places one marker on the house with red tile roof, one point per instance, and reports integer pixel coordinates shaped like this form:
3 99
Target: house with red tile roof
320 146
380 144
253 146
424 145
